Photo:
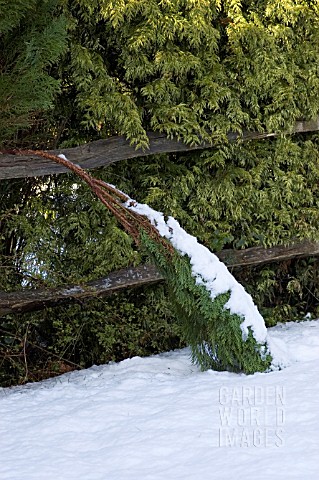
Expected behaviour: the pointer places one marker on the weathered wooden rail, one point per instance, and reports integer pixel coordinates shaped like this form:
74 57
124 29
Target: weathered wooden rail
38 299
105 152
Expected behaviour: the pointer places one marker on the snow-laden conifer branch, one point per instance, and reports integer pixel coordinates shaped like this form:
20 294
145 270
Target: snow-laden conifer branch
221 322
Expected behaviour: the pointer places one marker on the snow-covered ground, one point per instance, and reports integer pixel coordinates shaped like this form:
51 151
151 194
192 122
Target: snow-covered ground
161 418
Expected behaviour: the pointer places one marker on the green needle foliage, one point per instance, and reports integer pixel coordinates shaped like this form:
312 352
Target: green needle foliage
32 38
211 330
194 69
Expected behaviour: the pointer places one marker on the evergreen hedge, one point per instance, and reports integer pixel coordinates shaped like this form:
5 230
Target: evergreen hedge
78 71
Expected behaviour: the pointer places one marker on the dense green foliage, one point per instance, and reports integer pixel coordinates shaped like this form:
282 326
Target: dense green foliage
43 344
33 35
237 195
190 68
195 68
72 71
